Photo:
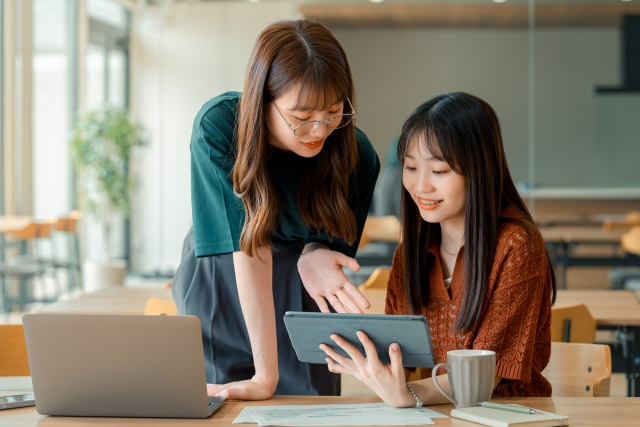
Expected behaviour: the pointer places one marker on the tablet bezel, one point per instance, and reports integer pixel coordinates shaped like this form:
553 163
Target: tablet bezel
410 332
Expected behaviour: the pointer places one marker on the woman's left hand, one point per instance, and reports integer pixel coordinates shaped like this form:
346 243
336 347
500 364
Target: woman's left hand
387 381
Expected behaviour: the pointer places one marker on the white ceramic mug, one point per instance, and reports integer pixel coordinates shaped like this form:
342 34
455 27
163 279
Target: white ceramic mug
471 376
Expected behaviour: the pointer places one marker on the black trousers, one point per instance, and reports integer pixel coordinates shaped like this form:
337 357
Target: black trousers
206 287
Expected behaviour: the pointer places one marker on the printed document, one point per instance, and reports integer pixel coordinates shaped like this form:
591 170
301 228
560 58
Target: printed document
363 414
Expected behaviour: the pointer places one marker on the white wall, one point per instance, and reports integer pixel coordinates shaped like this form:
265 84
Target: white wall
580 139
180 59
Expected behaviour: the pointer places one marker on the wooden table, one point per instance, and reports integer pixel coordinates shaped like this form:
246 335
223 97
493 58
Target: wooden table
95 306
115 292
581 234
13 222
608 307
561 241
583 412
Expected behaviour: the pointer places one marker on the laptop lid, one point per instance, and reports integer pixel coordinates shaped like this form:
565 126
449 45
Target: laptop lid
117 366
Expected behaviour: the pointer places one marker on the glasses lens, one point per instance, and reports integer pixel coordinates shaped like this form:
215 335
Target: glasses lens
306 128
340 121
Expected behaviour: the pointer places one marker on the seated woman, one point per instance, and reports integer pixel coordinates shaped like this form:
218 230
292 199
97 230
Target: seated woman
471 259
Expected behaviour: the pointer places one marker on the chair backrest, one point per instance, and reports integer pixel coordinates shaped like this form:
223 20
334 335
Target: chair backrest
378 279
13 352
632 219
572 323
32 230
579 370
159 306
630 241
67 225
375 290
380 228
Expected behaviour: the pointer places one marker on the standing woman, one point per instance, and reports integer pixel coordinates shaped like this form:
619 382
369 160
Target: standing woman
281 185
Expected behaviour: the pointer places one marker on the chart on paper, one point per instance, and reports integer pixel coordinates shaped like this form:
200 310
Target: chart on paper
344 415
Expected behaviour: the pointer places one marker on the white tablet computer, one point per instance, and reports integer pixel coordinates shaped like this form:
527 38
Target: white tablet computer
308 330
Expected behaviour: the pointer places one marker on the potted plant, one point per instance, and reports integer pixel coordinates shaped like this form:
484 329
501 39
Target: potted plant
102 142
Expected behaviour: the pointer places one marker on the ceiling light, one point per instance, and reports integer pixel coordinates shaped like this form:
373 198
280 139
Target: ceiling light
376 1
499 1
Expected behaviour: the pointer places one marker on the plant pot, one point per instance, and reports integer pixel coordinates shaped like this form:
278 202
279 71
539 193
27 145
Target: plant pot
98 275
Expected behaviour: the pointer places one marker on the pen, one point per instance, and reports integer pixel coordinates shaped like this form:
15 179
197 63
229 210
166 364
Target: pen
513 408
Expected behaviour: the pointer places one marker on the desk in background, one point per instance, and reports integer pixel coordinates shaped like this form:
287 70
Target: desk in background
95 306
115 292
583 412
561 241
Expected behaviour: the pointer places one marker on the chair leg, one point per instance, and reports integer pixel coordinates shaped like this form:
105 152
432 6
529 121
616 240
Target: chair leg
567 330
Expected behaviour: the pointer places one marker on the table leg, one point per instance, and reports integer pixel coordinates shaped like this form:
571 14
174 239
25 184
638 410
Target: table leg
634 361
23 297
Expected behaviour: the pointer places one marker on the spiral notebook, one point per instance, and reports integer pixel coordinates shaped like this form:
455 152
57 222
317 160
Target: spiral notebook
500 418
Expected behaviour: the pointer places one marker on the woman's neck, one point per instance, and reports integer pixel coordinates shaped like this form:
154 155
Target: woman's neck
452 234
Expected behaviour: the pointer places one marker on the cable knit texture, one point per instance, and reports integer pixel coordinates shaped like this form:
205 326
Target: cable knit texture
516 314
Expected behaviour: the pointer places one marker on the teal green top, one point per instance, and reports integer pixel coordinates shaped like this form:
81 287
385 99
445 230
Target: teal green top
218 215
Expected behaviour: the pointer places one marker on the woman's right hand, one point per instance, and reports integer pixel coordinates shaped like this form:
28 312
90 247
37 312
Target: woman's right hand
323 278
253 389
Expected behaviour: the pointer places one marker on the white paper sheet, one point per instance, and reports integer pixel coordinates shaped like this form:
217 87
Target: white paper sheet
328 415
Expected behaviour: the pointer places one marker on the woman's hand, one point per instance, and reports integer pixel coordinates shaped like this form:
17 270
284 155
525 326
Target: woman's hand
253 389
387 381
322 276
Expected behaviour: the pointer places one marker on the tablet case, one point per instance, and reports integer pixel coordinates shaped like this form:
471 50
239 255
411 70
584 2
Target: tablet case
308 330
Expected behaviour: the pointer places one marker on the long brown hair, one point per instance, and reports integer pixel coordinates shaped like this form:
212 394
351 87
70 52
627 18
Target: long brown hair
463 131
290 54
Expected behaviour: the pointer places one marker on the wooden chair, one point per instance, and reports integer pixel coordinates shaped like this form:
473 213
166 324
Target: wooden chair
631 241
69 227
380 229
572 323
622 276
26 267
378 280
632 219
375 290
579 370
162 307
13 352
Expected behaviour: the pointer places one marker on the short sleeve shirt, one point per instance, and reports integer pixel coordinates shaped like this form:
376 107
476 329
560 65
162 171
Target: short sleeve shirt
218 214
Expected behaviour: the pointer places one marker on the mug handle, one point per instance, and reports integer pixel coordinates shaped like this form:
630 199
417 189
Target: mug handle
435 381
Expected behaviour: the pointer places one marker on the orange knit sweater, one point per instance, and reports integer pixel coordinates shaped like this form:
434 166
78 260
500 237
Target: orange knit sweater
516 313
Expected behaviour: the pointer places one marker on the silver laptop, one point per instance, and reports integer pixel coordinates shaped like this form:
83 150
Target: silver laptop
118 366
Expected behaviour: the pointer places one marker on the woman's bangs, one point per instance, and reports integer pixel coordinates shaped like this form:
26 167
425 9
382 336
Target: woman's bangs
321 91
426 139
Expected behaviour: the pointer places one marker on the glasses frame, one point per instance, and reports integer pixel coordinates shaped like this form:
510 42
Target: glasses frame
319 122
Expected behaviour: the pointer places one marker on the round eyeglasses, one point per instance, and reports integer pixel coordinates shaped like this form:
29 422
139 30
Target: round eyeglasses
306 128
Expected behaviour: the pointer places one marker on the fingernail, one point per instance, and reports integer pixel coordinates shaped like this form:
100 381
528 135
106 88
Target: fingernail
395 347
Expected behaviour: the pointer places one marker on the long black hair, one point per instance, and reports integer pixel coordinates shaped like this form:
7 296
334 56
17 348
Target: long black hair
462 130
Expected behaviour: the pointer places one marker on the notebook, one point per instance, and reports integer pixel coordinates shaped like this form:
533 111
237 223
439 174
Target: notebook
500 418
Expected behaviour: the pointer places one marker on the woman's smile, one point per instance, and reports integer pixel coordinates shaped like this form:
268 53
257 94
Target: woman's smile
428 204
